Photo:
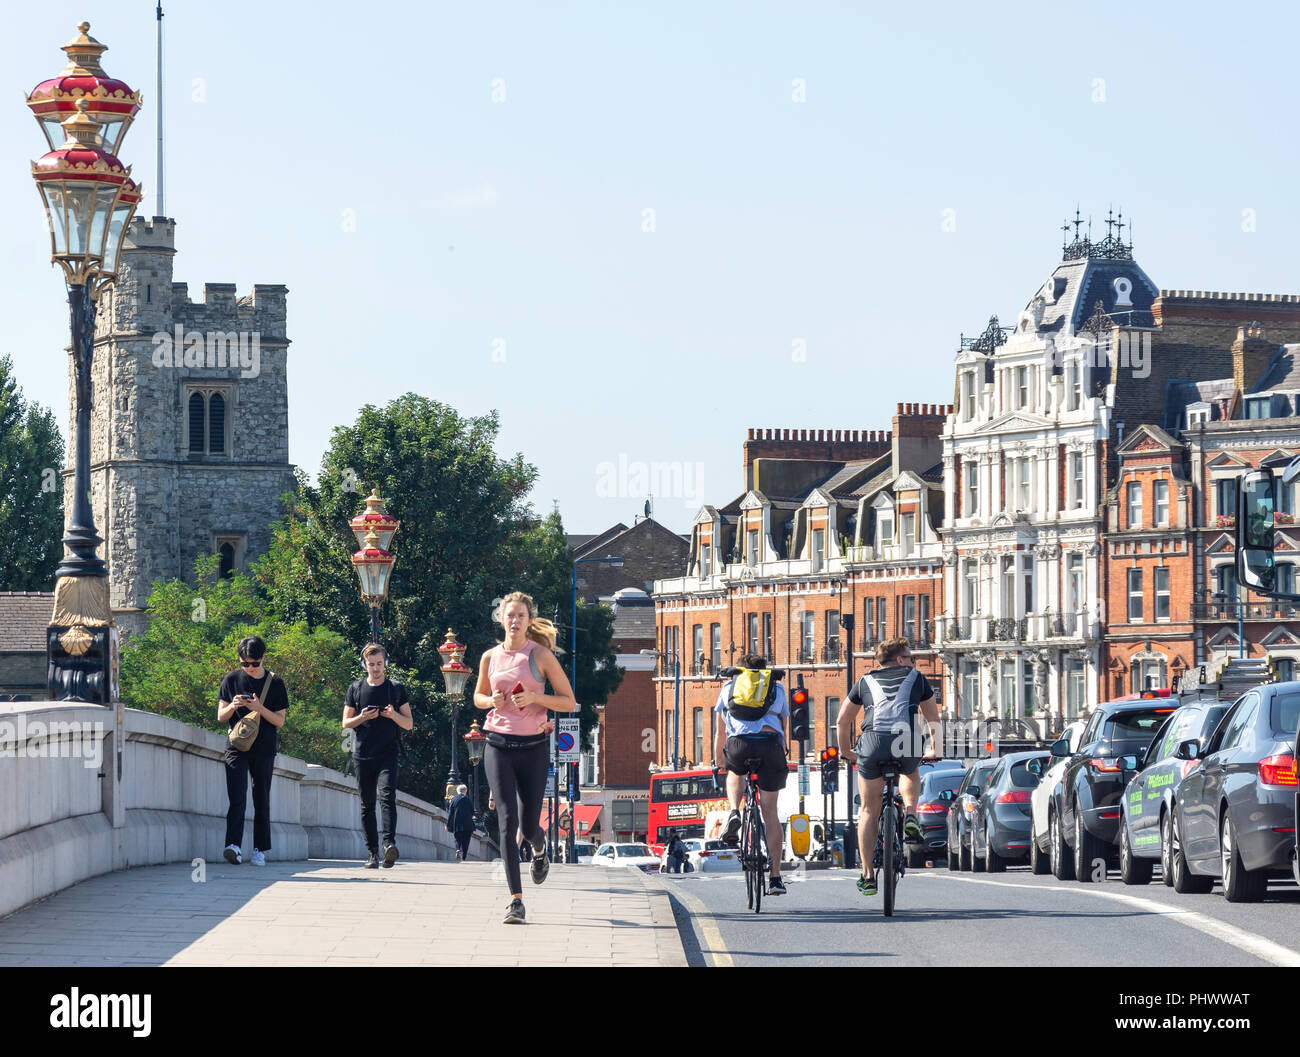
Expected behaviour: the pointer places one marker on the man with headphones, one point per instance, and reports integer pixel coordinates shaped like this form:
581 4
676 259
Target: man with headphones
374 710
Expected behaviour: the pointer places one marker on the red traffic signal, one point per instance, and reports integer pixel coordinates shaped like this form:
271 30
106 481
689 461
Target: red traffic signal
799 697
830 754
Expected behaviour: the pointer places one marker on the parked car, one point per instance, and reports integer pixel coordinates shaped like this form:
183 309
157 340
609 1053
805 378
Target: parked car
634 856
1040 798
932 813
999 822
959 813
711 856
1234 813
1151 791
1083 813
586 851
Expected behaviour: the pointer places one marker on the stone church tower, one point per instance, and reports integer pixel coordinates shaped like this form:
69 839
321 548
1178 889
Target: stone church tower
190 427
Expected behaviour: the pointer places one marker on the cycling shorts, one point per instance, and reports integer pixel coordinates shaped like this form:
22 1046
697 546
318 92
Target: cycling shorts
770 753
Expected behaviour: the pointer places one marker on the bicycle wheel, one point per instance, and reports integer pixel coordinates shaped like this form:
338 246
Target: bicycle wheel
745 862
889 860
759 881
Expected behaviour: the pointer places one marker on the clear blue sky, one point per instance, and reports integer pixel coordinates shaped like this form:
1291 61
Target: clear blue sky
521 222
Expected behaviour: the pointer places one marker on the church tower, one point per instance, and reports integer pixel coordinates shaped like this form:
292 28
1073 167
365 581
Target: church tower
190 429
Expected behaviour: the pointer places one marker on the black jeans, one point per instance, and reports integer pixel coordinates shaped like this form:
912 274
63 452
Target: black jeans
378 777
462 842
239 765
518 781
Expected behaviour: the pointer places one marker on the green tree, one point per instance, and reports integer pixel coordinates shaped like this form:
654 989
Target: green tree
31 490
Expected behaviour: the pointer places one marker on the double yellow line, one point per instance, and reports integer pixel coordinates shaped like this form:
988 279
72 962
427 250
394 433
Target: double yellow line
707 932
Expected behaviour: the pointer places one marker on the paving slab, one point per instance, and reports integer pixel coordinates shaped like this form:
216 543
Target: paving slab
329 912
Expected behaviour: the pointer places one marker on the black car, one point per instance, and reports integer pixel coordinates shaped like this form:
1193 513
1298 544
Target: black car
1000 821
959 813
932 813
1084 813
1152 790
1234 813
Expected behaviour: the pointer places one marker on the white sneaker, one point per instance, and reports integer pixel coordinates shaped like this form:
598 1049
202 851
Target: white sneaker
232 854
259 858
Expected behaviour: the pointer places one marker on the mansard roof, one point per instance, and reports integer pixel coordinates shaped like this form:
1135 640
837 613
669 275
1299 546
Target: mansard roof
1071 293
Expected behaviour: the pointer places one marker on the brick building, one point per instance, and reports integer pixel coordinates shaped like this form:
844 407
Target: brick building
23 619
834 527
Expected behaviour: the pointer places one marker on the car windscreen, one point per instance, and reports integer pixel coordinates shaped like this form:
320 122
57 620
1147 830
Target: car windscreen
1284 715
629 851
1133 729
935 783
1021 778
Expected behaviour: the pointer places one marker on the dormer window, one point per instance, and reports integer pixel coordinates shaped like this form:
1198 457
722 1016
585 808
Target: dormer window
706 560
1259 407
1198 415
967 395
909 533
751 546
818 549
885 529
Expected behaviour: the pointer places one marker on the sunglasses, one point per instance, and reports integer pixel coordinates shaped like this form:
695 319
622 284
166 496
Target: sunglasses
251 664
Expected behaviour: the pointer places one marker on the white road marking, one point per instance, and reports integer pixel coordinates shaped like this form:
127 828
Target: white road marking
1249 942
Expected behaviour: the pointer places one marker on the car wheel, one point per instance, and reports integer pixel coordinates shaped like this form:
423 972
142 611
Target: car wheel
964 857
1087 850
994 862
1184 881
953 864
1166 866
976 860
1132 870
1062 860
1239 884
1039 863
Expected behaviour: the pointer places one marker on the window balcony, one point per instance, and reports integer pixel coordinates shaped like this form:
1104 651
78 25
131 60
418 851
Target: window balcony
1007 629
955 628
1228 611
831 653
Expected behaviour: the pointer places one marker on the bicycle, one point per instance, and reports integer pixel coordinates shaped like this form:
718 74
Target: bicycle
890 858
753 857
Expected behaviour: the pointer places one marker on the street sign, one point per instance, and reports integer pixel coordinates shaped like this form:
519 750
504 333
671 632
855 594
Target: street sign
804 787
566 738
550 784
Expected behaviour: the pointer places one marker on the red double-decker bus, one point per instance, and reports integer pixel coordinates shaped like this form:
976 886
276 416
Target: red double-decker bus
680 800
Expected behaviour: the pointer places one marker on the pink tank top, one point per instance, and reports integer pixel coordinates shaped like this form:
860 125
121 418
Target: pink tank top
506 670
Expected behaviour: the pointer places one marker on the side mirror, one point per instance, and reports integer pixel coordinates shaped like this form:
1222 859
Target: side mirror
1188 750
1255 530
1128 763
1060 748
947 796
974 792
1035 767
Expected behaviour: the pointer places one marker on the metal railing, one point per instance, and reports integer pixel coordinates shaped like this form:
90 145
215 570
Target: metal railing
1007 629
955 628
831 652
1276 610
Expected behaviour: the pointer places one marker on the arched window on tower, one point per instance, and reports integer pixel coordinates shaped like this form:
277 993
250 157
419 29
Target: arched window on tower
196 423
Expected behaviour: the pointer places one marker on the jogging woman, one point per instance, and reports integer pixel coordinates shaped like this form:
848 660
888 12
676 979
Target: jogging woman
512 681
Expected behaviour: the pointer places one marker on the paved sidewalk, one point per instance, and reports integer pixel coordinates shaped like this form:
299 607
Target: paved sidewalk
335 913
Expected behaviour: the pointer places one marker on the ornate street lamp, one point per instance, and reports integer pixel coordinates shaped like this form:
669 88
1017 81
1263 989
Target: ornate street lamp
454 674
475 740
374 528
89 199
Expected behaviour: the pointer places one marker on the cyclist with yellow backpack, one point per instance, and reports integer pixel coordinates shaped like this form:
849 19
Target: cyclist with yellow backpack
751 709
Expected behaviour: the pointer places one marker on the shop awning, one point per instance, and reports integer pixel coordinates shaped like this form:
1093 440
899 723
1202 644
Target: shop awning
587 816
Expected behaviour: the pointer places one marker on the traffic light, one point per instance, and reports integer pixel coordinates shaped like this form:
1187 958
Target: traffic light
800 706
830 769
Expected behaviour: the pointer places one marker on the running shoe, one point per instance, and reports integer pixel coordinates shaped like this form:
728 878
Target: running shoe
731 836
231 852
775 886
912 829
390 855
373 862
515 913
259 858
540 868
867 885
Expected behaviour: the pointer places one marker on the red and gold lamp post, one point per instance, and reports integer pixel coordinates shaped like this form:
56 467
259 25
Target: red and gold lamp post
374 528
474 740
454 673
89 199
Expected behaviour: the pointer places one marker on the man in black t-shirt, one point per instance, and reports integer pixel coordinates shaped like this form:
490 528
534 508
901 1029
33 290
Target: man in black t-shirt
241 693
874 741
374 710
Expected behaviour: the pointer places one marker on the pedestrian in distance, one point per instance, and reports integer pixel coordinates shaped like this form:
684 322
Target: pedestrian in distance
248 690
676 852
460 822
511 683
376 710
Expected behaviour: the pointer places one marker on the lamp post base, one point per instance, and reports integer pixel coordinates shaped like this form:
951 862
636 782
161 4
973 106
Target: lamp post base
81 645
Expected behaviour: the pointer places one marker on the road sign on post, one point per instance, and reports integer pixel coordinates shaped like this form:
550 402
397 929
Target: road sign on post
803 779
567 739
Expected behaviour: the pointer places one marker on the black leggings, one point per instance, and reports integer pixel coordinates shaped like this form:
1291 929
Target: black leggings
518 781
